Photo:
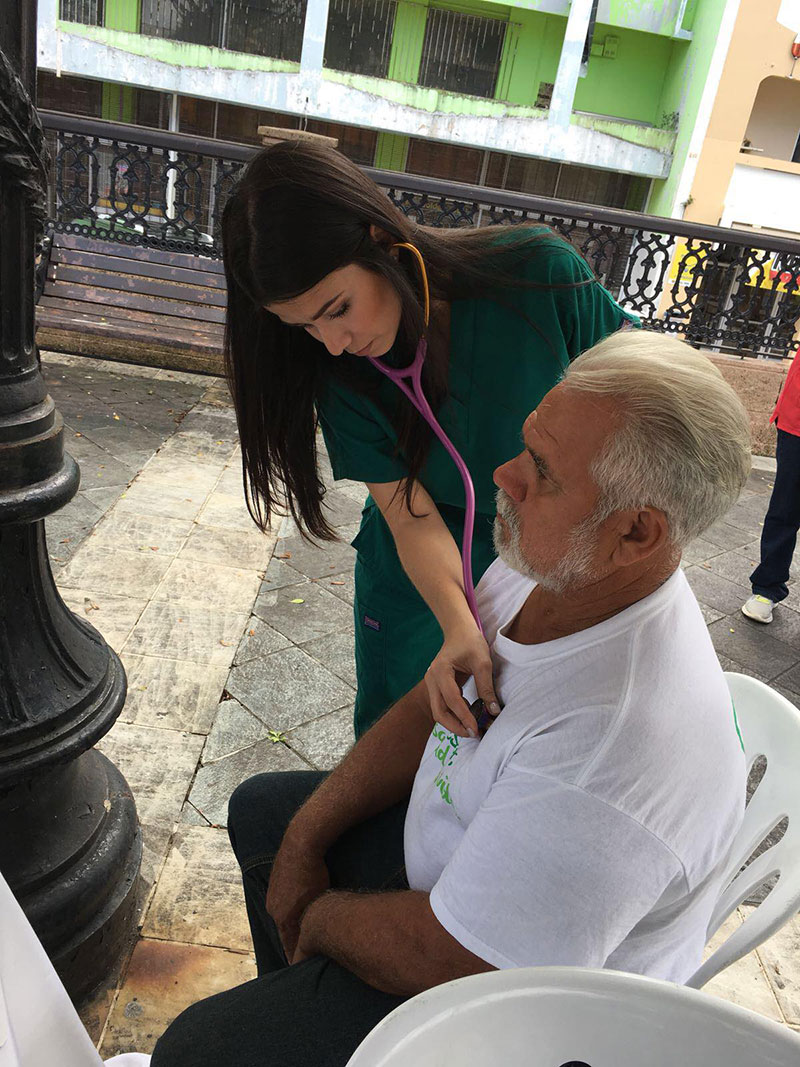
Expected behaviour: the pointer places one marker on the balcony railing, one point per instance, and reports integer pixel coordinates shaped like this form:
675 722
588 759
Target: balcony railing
724 289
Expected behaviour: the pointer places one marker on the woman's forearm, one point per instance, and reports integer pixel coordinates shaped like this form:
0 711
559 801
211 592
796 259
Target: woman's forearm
428 553
431 559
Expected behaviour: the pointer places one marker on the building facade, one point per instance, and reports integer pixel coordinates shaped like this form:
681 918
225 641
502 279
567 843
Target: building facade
587 100
747 172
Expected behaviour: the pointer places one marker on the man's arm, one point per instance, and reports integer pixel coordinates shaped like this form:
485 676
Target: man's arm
376 774
392 941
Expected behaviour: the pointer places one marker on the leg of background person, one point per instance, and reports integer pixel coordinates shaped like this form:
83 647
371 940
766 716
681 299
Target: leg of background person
779 535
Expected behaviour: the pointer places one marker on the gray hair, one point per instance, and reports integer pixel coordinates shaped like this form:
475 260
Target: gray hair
684 442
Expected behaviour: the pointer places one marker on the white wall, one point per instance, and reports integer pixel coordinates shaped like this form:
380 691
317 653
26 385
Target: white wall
766 198
774 122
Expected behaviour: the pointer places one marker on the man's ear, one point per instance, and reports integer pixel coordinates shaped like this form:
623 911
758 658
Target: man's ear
640 534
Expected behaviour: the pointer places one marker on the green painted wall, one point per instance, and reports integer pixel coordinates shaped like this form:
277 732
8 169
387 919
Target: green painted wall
119 101
391 151
404 60
537 47
122 15
649 16
682 92
628 86
689 15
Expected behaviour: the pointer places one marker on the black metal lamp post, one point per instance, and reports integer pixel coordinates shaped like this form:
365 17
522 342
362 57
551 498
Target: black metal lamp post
70 846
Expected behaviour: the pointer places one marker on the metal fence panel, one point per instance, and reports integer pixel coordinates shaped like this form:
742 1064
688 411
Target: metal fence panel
724 289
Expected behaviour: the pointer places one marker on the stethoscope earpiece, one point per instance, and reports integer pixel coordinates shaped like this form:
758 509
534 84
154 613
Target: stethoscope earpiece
423 272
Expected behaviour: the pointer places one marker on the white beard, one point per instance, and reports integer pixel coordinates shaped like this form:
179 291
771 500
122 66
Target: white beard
575 568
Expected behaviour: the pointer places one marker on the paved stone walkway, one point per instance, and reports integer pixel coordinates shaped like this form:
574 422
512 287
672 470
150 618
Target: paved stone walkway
238 649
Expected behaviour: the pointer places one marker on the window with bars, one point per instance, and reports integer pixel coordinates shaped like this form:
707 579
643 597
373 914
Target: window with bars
462 53
359 36
88 12
265 28
258 27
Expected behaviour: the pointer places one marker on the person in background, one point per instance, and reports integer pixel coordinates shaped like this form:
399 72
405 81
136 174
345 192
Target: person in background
779 534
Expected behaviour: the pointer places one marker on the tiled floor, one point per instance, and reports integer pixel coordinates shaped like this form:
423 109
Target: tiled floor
238 650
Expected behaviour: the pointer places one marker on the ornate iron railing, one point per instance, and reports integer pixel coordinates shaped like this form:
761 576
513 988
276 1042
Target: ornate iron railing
725 289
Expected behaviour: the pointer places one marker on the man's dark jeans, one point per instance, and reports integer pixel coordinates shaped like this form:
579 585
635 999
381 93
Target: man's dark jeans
314 1014
779 535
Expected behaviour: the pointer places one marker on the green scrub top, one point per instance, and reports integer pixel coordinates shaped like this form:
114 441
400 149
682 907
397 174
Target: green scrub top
501 365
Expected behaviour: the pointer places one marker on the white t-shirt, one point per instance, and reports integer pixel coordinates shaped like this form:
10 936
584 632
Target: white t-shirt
589 824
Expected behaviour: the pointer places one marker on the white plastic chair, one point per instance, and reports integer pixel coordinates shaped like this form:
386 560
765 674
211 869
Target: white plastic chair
552 1016
38 1025
770 727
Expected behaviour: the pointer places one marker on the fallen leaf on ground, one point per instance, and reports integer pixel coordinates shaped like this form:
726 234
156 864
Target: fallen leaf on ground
89 605
297 600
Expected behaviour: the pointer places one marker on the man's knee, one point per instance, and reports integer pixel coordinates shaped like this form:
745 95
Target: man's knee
187 1043
261 808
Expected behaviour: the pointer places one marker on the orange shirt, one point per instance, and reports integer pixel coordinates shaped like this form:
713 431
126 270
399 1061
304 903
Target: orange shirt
787 410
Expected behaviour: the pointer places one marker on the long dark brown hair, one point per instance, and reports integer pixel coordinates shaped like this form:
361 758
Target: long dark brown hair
299 212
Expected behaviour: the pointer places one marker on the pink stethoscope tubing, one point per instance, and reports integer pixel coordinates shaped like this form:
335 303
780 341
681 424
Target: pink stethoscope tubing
416 395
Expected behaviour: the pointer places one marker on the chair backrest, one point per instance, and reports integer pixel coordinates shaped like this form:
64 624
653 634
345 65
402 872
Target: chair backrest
38 1025
770 727
554 1016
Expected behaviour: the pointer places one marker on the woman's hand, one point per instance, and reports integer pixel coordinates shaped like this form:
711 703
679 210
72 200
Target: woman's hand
464 654
299 875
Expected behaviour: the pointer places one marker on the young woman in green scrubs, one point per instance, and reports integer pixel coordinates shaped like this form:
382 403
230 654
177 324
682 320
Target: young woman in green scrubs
317 283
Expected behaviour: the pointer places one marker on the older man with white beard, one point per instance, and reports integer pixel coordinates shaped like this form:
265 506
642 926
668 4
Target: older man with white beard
589 824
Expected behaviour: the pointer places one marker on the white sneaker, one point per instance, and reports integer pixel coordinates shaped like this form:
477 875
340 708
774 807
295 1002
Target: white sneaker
758 608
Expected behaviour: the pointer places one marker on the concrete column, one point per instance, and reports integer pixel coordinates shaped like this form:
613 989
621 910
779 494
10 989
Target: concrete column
314 31
569 65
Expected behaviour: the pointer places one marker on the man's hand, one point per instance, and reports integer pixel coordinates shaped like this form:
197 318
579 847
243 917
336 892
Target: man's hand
299 875
462 655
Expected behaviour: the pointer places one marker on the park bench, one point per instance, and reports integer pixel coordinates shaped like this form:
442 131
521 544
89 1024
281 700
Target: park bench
132 303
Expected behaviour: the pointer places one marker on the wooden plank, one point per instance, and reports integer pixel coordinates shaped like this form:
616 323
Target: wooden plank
167 327
122 331
125 283
138 252
142 353
137 301
161 321
100 261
